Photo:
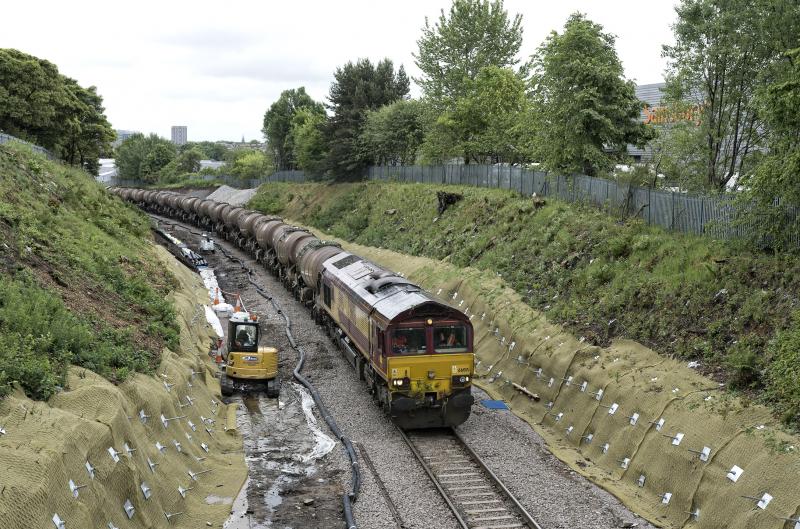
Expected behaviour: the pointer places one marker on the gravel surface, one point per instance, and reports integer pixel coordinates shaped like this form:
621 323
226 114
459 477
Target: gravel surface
554 494
231 195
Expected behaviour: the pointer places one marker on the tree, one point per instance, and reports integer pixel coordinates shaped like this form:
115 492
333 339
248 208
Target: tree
778 174
278 124
675 155
309 141
724 51
487 124
584 112
187 162
473 35
358 88
42 106
86 132
31 92
394 132
210 150
249 164
143 157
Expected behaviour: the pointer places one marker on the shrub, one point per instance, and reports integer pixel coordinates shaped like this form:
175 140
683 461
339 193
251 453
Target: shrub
31 362
42 337
784 371
744 364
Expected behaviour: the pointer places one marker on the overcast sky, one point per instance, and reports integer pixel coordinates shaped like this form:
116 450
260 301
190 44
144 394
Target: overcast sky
217 66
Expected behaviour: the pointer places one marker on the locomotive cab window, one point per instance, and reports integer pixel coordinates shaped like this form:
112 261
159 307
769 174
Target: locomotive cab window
409 341
326 295
450 339
244 338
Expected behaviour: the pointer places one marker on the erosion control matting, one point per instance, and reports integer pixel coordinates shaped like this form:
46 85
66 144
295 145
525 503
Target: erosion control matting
47 444
652 431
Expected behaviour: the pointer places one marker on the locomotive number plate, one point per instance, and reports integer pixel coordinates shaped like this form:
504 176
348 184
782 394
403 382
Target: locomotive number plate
459 370
250 358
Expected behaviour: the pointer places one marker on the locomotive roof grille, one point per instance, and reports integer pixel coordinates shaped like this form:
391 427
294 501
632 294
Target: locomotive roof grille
350 259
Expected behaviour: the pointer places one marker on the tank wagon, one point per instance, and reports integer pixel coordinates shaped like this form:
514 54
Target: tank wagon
413 352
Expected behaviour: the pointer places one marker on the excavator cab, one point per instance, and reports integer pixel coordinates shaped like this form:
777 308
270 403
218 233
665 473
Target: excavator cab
248 366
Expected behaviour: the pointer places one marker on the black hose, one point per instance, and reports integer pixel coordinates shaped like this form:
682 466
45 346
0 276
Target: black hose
349 498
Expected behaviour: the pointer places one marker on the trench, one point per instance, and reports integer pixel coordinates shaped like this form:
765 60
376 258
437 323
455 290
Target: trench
290 482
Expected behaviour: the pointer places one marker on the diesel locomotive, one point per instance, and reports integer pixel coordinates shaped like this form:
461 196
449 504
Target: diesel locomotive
414 353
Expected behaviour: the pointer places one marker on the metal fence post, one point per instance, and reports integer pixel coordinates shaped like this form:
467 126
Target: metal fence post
673 210
702 215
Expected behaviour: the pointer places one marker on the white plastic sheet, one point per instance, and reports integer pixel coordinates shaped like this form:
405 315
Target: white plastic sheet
322 443
213 320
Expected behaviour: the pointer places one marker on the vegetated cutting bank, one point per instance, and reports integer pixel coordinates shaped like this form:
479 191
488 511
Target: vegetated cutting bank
88 304
78 283
735 311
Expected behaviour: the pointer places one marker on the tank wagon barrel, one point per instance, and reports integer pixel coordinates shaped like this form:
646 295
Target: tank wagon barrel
414 353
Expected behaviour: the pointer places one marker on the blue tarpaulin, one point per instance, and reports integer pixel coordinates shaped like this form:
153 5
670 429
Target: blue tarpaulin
494 404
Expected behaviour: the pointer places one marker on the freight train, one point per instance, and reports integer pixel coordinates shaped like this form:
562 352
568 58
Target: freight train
414 353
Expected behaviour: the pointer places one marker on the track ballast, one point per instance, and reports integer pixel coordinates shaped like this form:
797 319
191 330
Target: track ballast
475 495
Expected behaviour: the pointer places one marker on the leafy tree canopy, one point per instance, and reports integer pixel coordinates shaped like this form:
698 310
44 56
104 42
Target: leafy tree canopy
723 52
487 124
210 150
250 164
308 136
40 105
473 35
585 112
278 124
778 174
143 157
358 88
393 134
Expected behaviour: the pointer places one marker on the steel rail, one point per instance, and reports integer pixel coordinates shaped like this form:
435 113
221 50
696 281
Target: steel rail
436 483
493 477
488 474
381 486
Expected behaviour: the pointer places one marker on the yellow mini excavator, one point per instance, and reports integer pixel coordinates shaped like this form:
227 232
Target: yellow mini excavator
246 366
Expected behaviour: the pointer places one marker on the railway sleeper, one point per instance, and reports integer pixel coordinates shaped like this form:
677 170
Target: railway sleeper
504 526
482 511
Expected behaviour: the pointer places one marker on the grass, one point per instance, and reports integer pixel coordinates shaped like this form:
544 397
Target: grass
602 277
77 285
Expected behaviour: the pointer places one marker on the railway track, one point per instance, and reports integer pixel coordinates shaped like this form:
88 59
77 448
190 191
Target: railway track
475 495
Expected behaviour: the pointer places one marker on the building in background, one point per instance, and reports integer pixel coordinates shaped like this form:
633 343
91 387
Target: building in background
123 135
658 114
651 94
179 134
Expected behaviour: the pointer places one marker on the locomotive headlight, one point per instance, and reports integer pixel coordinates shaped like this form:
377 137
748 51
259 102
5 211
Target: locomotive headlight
431 374
463 379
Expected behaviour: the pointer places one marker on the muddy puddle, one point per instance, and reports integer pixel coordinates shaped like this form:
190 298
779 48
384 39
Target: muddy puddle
290 484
